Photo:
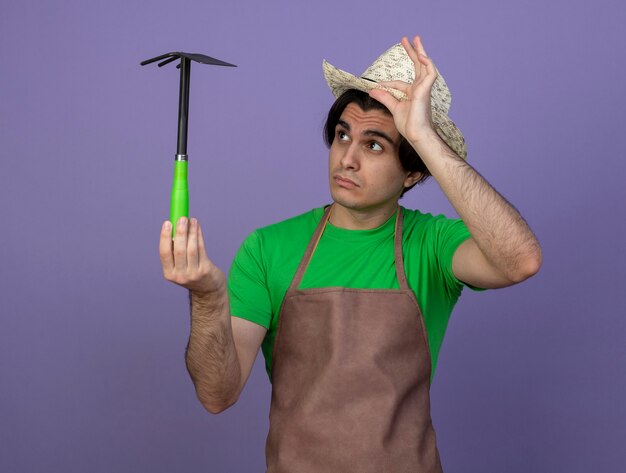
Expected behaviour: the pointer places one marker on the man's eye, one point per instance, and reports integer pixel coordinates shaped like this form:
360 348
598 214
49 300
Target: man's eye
342 135
375 146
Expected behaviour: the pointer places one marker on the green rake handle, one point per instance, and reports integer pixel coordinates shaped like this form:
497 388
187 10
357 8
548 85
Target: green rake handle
179 202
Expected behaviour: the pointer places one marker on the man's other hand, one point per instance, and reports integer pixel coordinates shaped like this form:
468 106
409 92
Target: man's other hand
185 261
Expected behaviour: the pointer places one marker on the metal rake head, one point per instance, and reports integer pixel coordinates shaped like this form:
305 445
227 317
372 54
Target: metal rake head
201 58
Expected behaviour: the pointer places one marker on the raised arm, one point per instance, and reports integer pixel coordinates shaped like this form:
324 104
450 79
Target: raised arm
221 348
502 250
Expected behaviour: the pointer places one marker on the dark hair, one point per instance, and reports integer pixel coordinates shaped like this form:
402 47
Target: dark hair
409 159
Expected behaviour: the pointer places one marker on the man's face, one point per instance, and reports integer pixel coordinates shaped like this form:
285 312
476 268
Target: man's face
364 168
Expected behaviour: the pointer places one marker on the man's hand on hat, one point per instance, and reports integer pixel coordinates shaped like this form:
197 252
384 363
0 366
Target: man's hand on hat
412 116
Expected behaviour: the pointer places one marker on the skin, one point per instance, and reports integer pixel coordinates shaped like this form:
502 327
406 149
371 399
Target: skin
365 152
502 249
221 349
366 181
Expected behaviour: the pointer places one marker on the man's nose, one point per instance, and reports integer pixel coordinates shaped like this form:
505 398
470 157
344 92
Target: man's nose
350 159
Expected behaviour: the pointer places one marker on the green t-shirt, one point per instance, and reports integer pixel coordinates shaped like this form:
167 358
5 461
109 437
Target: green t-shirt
362 259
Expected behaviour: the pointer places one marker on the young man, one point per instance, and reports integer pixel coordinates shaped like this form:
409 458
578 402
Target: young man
350 302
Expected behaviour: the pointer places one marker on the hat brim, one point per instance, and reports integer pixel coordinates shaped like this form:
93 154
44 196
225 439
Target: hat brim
340 81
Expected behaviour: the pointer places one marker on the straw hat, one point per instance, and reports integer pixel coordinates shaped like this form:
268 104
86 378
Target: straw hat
395 64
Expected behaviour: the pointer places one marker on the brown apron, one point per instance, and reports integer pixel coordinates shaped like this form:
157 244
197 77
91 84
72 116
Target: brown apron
351 379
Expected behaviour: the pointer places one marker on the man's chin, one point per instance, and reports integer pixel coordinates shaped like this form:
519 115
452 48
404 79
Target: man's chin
341 199
346 202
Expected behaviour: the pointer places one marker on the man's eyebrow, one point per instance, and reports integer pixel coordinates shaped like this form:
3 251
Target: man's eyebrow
343 124
378 133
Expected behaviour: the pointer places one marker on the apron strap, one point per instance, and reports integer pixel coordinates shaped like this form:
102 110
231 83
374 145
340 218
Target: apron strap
317 235
397 250
304 262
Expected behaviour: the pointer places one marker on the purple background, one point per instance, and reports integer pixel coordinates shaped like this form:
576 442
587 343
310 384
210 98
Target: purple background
92 377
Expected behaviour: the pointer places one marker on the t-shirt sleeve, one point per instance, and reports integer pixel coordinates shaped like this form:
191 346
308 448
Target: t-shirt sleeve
450 234
247 283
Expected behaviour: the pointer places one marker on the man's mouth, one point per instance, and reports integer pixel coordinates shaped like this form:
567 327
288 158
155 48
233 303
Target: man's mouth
345 182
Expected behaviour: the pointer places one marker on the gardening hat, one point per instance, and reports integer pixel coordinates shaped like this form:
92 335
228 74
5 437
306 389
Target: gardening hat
395 64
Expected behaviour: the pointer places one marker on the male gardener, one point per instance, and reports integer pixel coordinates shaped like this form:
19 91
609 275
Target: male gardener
350 302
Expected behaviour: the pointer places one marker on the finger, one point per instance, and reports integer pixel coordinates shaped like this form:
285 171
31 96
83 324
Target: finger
423 54
192 245
419 45
431 70
201 249
410 50
385 98
395 84
430 65
165 247
180 246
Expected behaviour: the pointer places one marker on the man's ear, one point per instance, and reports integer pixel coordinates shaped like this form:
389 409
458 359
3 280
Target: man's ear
412 178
